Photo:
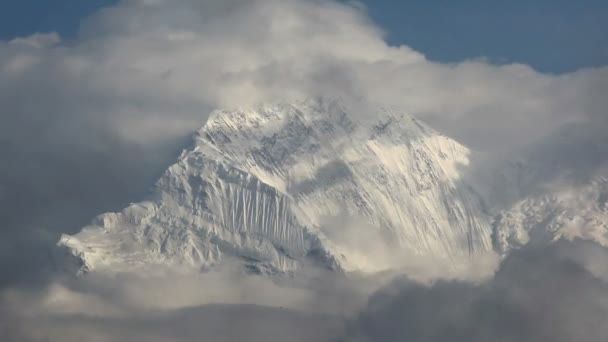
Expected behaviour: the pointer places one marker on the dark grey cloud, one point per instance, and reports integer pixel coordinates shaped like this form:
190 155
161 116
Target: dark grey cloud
215 306
538 294
205 323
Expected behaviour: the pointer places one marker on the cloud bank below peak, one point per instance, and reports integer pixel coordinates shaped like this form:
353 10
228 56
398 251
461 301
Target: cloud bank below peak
555 293
552 293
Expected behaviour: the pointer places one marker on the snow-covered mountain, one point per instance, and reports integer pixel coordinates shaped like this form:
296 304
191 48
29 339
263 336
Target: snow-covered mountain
345 187
280 186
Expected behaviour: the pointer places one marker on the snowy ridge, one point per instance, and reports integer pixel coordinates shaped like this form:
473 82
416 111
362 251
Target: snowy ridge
558 189
569 213
279 187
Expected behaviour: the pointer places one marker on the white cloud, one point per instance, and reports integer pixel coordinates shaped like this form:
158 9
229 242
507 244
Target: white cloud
168 63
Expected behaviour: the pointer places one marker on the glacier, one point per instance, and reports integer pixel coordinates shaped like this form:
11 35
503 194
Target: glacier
281 187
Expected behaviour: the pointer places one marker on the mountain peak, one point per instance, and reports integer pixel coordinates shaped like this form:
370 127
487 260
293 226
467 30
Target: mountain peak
278 187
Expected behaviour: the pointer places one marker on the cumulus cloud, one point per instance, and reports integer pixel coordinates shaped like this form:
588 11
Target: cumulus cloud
556 293
150 69
538 294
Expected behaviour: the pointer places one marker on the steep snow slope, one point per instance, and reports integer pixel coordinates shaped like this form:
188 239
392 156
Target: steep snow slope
278 187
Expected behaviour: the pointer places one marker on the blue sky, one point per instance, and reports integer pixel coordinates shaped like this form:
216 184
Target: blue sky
550 35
